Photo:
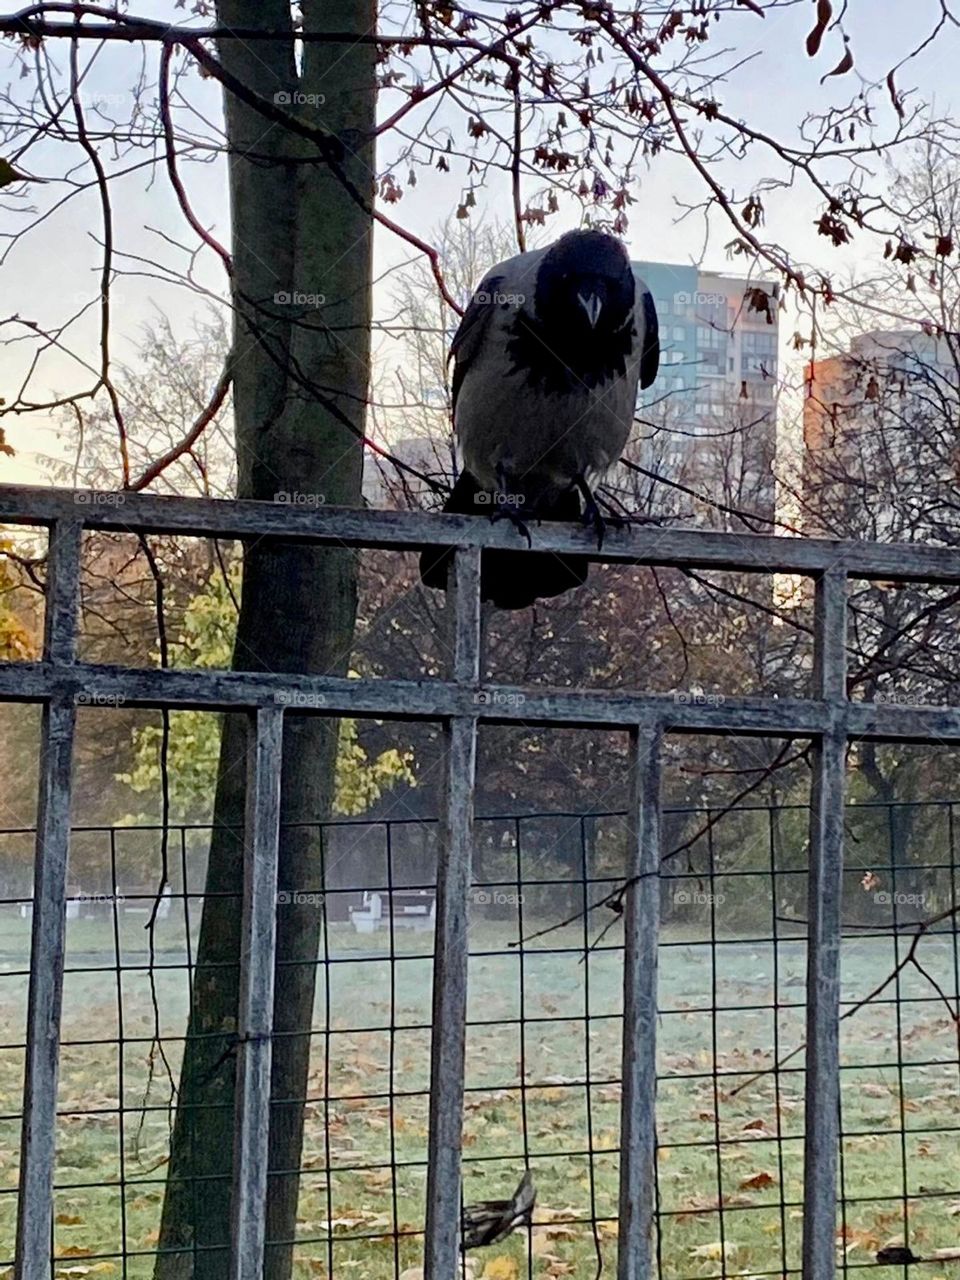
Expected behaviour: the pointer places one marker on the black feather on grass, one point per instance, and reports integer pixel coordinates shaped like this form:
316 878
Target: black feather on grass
490 1221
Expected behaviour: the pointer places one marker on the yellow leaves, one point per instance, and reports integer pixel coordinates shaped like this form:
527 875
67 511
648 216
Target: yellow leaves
716 1251
501 1268
97 1268
551 1231
74 1251
206 640
416 1273
376 1179
68 1220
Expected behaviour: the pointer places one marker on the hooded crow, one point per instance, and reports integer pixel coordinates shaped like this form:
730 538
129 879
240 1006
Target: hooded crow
547 361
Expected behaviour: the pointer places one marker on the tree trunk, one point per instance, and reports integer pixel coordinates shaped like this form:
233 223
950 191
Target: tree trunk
295 231
899 818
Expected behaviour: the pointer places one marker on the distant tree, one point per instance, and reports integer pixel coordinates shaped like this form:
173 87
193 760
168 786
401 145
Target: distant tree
206 640
551 111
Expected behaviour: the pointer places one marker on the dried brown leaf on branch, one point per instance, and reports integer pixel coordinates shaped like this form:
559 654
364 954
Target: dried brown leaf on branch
824 14
843 66
894 96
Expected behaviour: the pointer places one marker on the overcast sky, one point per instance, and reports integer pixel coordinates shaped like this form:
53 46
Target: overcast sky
54 270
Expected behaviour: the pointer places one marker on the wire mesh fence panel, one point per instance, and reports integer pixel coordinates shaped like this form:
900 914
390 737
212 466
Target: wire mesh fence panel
543 1076
716 1049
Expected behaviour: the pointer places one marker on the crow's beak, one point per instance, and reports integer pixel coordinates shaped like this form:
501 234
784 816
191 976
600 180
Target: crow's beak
592 306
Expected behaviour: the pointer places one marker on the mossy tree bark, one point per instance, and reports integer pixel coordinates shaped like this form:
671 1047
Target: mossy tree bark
301 373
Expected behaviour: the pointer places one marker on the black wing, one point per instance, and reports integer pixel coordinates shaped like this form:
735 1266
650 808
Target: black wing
471 330
491 1221
650 354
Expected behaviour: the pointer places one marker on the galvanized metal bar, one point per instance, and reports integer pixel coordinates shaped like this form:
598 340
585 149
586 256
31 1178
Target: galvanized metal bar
48 925
408 530
824 897
495 704
38 1134
255 1022
444 1179
61 621
641 925
830 636
464 605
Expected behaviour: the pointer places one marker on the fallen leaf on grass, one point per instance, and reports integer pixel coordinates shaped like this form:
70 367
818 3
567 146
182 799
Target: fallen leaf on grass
758 1181
553 1231
68 1220
502 1268
716 1251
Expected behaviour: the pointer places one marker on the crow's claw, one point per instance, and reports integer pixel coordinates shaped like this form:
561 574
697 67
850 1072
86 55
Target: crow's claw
592 515
515 518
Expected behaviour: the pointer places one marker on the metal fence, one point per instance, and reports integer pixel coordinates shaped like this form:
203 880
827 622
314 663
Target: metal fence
827 719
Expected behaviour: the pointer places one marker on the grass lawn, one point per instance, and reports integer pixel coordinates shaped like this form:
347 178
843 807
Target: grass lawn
730 1160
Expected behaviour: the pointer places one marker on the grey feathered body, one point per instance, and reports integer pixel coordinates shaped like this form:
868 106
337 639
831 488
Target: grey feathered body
537 432
546 363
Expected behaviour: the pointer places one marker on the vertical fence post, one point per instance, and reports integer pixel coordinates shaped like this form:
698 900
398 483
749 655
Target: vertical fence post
442 1244
641 924
824 896
48 925
255 1022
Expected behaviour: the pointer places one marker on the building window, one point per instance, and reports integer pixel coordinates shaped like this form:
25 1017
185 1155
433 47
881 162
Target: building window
711 349
710 309
679 333
759 355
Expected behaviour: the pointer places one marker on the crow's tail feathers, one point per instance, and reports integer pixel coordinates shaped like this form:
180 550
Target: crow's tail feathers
510 579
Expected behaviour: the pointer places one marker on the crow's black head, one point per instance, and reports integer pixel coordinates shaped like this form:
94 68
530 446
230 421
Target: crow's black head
581 330
585 287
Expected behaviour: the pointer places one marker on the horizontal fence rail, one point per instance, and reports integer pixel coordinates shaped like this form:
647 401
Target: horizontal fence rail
409 531
827 718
